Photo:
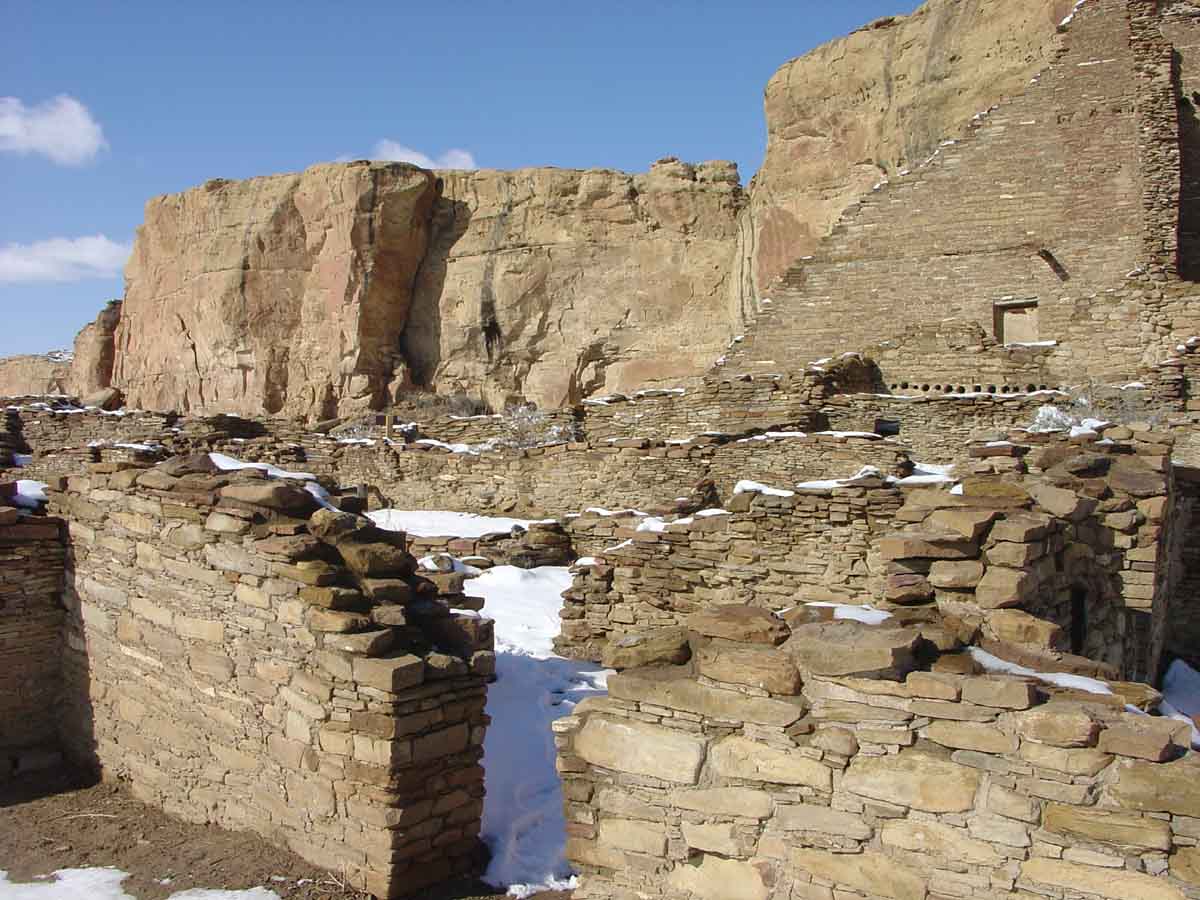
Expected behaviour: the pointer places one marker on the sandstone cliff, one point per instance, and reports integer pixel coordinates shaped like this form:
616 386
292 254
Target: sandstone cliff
35 374
95 352
336 290
551 284
845 115
285 294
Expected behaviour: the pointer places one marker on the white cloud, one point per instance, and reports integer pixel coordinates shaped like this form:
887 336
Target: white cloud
63 259
61 129
453 158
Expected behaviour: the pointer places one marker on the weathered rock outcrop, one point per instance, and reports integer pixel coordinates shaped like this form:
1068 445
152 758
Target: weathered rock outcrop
95 352
842 117
332 291
35 374
550 284
285 294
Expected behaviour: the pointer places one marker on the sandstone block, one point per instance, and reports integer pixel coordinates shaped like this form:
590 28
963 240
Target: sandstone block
914 778
851 648
1071 761
762 667
1019 627
937 839
1021 527
1185 865
1062 503
956 574
1004 587
714 878
1108 883
1145 737
639 837
924 545
745 624
273 495
659 645
1059 724
823 820
739 757
971 524
676 690
1001 692
393 674
733 801
971 736
1172 787
375 642
641 749
1108 827
870 872
712 838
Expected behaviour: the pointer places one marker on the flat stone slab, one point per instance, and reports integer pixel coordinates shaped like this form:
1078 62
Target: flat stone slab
851 648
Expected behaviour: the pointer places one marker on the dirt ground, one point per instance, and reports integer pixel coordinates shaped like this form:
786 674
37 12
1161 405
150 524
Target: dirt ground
67 820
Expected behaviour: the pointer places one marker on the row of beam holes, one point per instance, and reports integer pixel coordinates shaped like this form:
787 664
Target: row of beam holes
978 389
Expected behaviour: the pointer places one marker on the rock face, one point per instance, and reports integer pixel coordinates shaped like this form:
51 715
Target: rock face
285 294
35 374
95 352
332 291
842 117
550 284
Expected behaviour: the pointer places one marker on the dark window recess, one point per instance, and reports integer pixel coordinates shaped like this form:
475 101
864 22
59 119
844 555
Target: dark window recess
887 427
1078 619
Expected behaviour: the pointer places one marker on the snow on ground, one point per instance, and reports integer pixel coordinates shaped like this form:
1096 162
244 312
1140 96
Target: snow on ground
754 487
523 820
105 884
442 523
1181 695
30 494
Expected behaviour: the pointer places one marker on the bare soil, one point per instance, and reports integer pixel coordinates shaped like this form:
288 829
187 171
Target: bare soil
69 820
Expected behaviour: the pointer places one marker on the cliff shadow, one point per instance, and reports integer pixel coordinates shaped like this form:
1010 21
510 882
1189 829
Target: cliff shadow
1189 187
421 341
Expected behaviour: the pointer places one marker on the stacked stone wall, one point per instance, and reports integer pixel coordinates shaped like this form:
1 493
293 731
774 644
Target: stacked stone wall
243 660
565 478
31 616
836 760
1055 197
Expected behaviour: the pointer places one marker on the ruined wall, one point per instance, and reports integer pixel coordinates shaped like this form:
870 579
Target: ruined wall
769 551
1051 198
243 660
31 617
836 759
566 478
1069 530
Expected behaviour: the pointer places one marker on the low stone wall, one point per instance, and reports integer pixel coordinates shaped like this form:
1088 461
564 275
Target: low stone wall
1073 530
937 427
31 617
770 551
542 544
243 658
824 761
565 478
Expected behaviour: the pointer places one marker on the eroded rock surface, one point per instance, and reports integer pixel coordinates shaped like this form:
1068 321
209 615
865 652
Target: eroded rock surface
284 294
551 284
40 373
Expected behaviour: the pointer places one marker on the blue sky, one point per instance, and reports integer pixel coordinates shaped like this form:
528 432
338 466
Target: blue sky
103 105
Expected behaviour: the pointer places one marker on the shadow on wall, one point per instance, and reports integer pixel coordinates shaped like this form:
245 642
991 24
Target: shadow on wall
421 341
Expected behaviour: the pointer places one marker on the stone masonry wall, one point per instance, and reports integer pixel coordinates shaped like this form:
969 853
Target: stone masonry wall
766 550
31 617
839 760
1053 198
244 658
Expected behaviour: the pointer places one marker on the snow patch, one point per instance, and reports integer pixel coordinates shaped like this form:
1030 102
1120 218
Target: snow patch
992 663
867 614
753 487
105 884
443 523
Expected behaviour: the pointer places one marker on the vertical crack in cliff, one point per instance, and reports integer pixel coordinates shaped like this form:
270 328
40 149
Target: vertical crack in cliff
489 325
187 336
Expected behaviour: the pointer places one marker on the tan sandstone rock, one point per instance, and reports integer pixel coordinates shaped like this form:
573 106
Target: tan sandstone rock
882 98
914 778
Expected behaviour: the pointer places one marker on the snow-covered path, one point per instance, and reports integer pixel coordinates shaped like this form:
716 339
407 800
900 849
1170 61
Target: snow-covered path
105 884
522 815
